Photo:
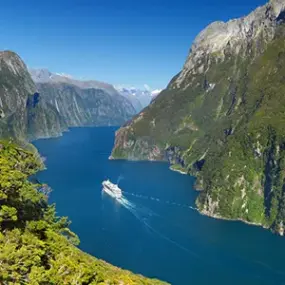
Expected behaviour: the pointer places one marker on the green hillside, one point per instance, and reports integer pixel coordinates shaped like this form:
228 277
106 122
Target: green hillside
36 246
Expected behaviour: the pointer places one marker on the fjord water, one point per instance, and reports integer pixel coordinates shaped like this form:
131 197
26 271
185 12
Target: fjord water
154 231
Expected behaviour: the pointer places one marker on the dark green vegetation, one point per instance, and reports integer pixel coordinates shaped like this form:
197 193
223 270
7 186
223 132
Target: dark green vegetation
36 246
224 122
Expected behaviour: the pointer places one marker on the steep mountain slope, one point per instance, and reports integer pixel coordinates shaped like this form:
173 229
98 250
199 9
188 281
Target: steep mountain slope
222 119
28 111
82 103
45 76
86 107
36 246
21 109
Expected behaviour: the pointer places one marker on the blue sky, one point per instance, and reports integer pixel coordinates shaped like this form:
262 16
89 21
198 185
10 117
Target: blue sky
133 42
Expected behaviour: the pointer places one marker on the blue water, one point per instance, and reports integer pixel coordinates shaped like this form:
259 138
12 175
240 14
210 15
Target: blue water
154 231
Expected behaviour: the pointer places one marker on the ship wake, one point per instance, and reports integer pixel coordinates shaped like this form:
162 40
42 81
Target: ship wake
155 199
144 215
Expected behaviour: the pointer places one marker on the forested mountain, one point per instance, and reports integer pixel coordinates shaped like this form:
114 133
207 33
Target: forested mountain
222 119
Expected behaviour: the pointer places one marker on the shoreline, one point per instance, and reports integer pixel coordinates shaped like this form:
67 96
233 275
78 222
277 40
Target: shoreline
217 217
204 213
178 170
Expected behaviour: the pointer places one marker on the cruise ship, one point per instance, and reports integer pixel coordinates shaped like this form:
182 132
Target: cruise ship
112 189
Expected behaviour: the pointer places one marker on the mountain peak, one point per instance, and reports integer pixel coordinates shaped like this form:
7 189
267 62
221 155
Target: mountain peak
45 76
13 62
140 98
234 36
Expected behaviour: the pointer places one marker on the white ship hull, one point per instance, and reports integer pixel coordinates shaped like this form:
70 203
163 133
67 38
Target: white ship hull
109 192
112 189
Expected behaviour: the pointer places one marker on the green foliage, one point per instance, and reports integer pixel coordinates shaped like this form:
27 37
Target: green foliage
36 246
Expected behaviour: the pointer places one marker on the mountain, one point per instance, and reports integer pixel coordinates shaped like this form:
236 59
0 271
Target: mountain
23 114
222 119
45 109
139 98
86 107
36 246
82 103
45 76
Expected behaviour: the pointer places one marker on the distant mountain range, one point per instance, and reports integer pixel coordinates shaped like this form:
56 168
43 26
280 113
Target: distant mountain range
82 103
45 76
138 97
37 103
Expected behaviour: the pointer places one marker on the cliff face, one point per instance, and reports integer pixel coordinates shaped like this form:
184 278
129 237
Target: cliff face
43 120
222 119
15 86
45 76
29 111
22 113
86 107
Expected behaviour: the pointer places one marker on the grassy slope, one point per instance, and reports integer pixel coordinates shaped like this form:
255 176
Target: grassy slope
36 247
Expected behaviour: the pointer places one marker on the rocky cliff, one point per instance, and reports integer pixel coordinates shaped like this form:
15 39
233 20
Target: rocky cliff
29 111
82 103
45 76
86 107
23 114
222 119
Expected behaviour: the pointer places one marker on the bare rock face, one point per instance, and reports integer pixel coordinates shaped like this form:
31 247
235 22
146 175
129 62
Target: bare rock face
15 87
45 76
87 106
278 7
29 111
235 36
14 77
82 103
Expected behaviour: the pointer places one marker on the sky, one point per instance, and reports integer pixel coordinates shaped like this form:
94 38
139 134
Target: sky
125 42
